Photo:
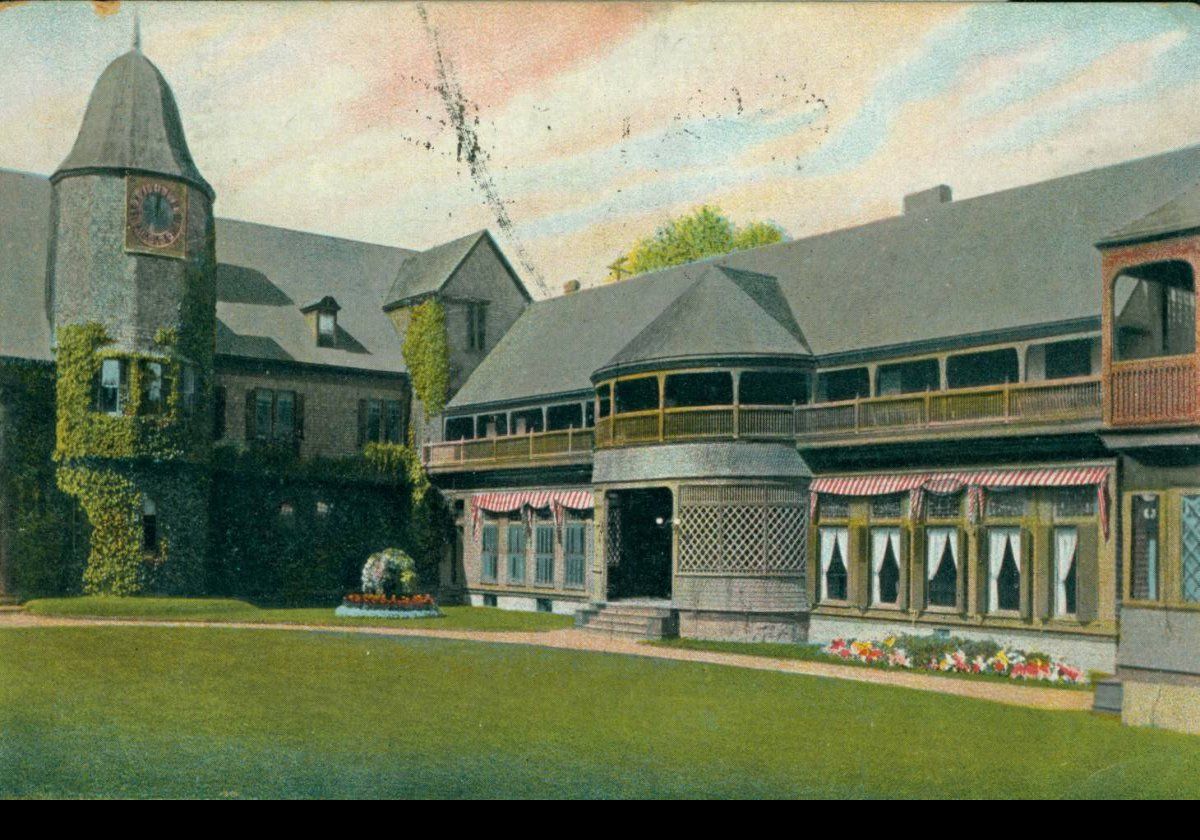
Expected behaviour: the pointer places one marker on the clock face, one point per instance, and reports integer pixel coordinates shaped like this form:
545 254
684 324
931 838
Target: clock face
155 213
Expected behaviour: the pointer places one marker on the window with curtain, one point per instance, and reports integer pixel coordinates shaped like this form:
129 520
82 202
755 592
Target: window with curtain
885 566
1004 569
1144 549
111 387
941 566
835 550
1066 548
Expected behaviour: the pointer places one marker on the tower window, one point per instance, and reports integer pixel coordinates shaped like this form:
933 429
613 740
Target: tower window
153 398
149 525
112 387
477 325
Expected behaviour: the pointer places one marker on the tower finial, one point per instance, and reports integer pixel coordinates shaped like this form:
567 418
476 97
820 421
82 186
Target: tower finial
137 30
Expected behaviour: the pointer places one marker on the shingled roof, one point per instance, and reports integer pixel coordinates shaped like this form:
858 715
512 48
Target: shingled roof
1179 215
132 122
427 272
1008 261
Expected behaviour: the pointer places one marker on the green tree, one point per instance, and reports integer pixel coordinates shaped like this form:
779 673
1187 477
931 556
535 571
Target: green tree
704 232
427 355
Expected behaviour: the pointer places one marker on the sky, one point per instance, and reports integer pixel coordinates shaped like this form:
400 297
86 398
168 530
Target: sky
570 130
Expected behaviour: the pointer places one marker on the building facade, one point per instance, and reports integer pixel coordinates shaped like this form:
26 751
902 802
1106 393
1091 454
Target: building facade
977 418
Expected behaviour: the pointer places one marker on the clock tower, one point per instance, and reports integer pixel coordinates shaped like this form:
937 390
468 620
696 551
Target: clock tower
131 293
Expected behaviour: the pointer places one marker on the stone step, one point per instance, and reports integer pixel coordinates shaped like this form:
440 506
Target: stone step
640 621
638 609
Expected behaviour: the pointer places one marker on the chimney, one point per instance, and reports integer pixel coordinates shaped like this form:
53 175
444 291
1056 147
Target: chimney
926 199
570 286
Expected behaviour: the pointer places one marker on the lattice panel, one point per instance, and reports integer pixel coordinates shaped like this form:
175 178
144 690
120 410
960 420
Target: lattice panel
719 537
1190 547
612 536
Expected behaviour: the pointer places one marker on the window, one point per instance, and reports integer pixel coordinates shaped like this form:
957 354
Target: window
460 428
285 415
569 416
1074 501
544 559
544 605
603 397
885 566
835 549
154 388
834 507
887 507
1154 311
219 397
698 389
491 425
187 390
380 421
264 414
1189 547
477 325
274 416
1000 504
637 394
760 387
838 385
1004 569
941 566
323 509
489 600
327 328
489 555
908 377
589 414
149 525
939 506
1066 549
1065 359
574 551
112 387
1144 548
516 553
527 421
974 370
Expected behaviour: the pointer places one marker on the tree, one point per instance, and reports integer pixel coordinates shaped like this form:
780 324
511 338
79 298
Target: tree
704 232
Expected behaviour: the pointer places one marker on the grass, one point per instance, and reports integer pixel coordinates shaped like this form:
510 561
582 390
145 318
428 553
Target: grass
812 653
226 609
135 711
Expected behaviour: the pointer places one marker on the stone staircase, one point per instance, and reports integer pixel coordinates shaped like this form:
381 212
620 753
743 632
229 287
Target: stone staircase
630 619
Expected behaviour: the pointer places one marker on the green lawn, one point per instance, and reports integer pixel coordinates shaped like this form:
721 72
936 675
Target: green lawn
146 711
225 609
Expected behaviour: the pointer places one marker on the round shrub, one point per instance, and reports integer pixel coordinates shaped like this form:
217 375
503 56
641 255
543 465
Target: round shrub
390 572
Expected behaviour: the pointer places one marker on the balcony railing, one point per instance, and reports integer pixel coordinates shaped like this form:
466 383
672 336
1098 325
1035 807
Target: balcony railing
1153 392
561 446
1030 403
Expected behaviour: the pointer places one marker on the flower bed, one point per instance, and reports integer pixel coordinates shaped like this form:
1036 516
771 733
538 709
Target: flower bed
928 653
388 606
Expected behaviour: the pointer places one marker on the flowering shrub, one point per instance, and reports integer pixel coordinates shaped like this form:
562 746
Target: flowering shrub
389 572
393 602
954 655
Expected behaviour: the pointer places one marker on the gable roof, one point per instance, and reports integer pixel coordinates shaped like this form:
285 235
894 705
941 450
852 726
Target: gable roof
1179 215
1011 260
714 317
267 276
427 272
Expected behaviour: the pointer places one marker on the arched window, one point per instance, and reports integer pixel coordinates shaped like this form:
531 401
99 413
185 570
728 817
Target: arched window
1154 311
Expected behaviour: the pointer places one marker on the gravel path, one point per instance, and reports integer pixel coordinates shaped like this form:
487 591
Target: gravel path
571 639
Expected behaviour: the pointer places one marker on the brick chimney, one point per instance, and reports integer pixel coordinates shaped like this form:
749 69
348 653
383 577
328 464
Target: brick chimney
926 199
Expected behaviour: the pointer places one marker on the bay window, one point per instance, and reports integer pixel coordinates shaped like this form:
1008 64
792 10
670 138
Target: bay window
111 387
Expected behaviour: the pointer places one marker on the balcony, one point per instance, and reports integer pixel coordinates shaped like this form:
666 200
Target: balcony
557 448
1062 402
1155 392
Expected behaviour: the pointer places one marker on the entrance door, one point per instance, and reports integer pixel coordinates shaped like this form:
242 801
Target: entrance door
643 567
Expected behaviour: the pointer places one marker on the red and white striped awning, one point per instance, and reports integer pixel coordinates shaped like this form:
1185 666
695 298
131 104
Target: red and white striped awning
974 481
555 500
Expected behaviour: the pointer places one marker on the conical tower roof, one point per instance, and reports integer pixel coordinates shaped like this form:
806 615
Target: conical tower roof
132 123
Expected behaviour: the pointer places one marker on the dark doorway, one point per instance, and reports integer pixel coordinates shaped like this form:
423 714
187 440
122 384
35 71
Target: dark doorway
642 567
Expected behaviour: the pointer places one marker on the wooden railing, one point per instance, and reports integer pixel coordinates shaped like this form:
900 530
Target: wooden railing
1152 392
1061 400
535 447
1029 402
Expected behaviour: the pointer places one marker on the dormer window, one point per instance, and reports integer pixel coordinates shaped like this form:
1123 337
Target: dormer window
322 318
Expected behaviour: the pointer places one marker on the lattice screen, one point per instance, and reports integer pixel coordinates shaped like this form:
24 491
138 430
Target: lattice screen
1190 547
742 530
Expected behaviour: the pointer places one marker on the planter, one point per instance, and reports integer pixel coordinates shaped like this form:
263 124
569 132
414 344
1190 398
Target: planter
388 606
359 611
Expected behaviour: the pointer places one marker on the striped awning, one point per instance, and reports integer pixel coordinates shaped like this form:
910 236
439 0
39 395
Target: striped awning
973 481
529 500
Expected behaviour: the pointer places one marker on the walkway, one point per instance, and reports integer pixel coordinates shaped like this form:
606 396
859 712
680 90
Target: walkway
581 640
